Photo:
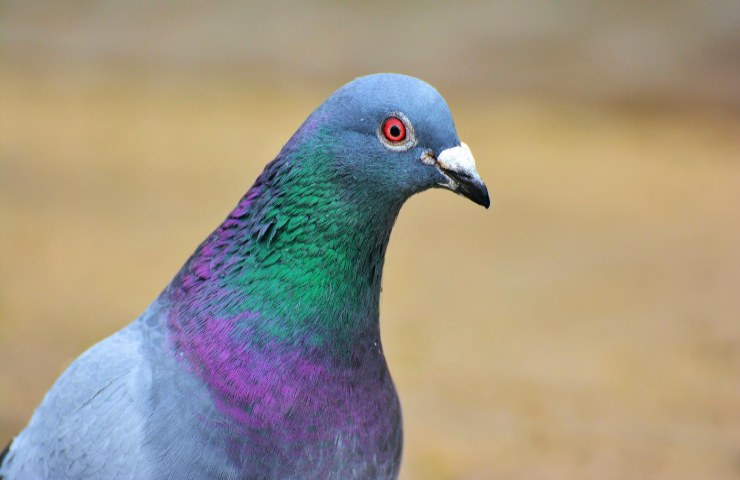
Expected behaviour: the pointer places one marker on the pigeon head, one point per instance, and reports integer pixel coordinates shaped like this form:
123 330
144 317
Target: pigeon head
303 250
392 136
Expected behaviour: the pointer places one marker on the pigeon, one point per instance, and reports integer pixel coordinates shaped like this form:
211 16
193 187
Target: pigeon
262 358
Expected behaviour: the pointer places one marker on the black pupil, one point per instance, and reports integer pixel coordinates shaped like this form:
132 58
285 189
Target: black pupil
395 131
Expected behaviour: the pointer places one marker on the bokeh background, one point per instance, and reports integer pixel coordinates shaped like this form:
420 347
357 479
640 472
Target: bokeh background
586 327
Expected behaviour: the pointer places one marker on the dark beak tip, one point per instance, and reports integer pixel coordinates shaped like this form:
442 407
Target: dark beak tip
470 187
479 195
484 201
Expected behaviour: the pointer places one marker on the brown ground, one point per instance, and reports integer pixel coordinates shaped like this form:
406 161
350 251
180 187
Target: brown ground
586 327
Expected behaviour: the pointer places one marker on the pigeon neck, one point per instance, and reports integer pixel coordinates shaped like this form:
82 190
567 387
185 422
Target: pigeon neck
298 260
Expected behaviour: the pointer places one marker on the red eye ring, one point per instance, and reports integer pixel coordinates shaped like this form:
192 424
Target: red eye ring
394 130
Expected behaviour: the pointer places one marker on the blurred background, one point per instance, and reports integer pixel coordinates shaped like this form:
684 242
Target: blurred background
586 327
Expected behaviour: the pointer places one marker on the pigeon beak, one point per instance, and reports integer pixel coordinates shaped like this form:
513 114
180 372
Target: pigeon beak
458 165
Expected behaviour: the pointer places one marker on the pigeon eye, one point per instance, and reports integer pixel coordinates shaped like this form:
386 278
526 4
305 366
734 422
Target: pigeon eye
394 130
397 133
